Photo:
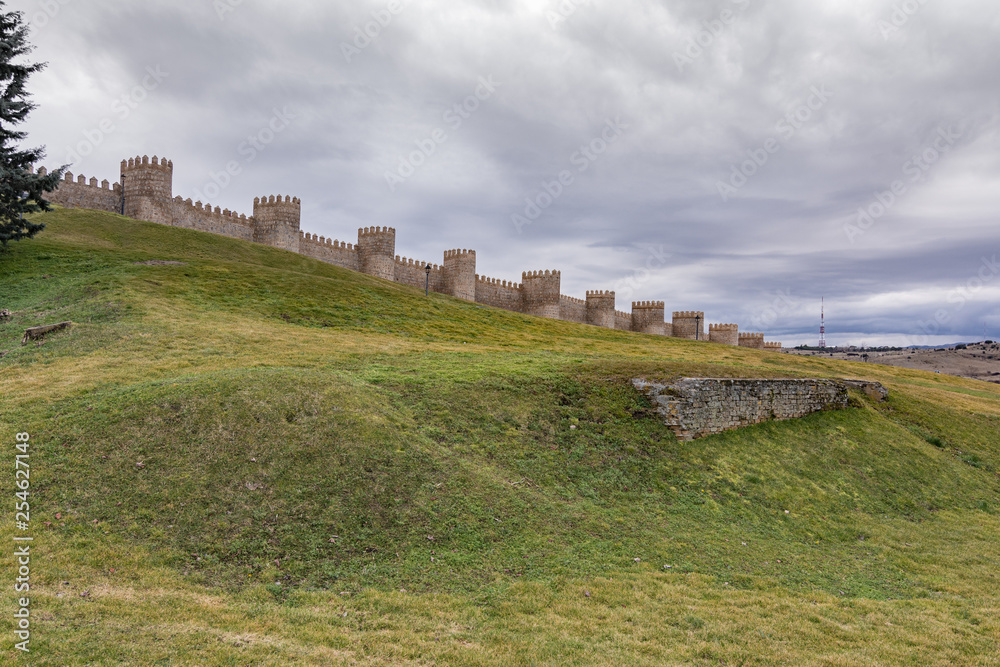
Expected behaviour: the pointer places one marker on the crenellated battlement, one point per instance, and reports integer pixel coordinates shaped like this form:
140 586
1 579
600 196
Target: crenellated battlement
773 346
322 240
367 232
540 274
497 281
267 201
144 161
416 263
145 193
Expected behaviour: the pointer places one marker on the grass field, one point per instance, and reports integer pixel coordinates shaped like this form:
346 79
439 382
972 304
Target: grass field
251 457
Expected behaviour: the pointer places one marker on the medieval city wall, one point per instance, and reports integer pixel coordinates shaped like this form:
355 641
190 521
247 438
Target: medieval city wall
572 310
144 191
84 193
499 294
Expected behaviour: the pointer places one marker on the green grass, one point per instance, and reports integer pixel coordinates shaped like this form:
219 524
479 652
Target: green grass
256 458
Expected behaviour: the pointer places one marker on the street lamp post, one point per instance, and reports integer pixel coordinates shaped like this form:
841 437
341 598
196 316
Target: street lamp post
123 194
697 327
427 282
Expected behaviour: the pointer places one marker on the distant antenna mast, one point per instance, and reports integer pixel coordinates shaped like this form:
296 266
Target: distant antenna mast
822 322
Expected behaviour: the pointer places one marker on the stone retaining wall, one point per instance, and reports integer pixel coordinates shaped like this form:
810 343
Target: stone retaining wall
696 407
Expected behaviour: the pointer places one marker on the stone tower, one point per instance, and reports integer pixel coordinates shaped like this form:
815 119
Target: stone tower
689 324
459 270
601 309
773 347
754 341
727 334
541 293
377 251
149 189
276 221
647 317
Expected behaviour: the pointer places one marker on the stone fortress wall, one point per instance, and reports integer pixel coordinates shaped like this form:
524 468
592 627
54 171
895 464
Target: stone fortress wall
146 185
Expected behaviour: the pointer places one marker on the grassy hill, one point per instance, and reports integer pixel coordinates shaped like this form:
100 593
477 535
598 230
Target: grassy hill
250 457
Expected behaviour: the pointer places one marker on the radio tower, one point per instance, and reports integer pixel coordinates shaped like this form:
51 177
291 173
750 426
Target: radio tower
822 322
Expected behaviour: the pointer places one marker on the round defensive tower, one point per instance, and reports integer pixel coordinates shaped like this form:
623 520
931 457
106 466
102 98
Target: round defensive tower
754 341
541 293
149 189
601 309
377 252
460 274
727 334
689 324
276 221
647 317
773 347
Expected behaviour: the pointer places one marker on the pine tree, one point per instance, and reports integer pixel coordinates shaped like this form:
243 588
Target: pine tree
20 190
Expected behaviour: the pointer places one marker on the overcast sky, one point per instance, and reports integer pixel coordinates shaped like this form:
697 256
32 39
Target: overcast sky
713 154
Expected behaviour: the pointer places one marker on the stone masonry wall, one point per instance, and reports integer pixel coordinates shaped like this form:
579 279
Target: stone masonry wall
572 310
206 219
697 407
414 273
83 194
330 251
499 293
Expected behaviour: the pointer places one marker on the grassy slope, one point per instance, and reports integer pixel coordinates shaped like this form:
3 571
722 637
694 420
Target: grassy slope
314 442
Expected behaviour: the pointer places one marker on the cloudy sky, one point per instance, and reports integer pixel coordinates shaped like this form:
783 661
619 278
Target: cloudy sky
741 157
